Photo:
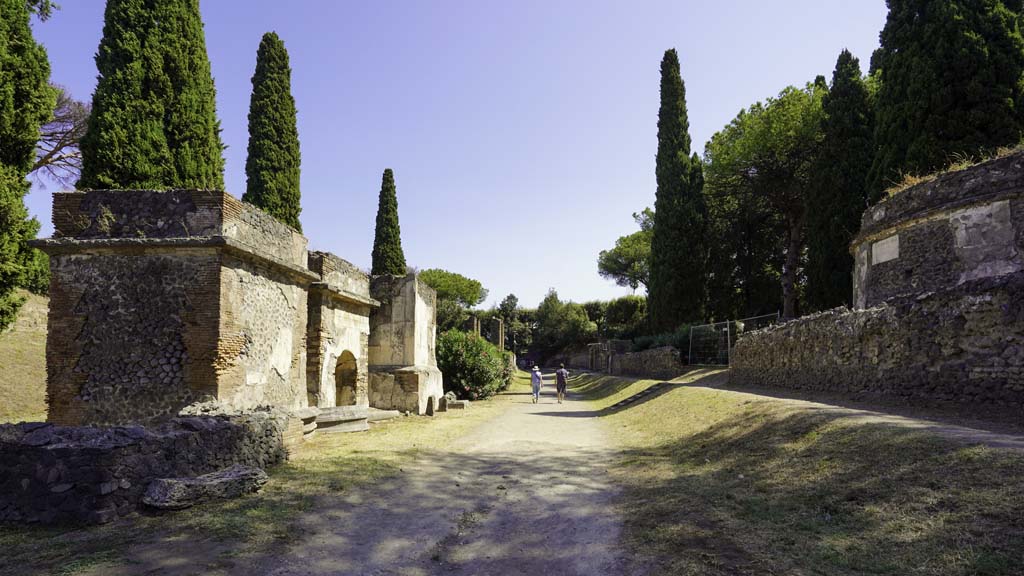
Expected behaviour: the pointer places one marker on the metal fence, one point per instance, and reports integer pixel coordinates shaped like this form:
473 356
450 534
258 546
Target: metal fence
711 344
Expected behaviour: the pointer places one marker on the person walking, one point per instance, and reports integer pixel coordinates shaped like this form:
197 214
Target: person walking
561 375
537 380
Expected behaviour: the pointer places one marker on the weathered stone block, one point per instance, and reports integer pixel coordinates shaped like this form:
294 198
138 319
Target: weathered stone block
180 493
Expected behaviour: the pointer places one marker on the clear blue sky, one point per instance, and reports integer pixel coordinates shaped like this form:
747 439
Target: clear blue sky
522 133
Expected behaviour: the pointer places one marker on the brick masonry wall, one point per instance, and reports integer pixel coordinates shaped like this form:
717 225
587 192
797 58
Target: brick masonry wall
964 345
57 474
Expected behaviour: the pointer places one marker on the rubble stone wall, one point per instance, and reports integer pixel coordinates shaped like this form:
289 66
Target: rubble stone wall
124 350
657 363
964 345
58 474
960 227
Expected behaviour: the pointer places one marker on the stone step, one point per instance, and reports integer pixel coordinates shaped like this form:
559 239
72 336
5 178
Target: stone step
342 414
359 425
377 415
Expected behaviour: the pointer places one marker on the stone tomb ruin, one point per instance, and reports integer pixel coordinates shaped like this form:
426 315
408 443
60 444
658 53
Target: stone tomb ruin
164 301
938 296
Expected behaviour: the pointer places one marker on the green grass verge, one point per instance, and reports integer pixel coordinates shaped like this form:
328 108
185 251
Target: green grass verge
23 363
720 482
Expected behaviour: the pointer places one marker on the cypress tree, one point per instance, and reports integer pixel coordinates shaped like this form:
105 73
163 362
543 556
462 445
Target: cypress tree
153 121
388 257
952 83
838 196
676 293
272 166
26 102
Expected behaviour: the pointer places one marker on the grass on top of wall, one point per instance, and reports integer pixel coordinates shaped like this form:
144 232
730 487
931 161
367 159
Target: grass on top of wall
720 482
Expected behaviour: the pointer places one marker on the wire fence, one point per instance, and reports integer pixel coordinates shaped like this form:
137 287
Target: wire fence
711 344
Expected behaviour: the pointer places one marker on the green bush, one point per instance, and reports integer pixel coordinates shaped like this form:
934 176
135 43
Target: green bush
472 367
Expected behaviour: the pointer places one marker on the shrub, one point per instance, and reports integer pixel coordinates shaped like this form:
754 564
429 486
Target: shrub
472 367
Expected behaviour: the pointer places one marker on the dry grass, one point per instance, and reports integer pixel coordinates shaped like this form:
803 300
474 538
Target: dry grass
720 482
23 364
227 533
957 163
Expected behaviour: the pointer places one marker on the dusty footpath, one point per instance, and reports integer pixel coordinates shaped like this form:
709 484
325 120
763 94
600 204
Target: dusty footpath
525 493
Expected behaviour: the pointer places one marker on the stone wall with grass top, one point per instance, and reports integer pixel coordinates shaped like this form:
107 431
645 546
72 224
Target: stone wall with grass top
60 474
659 363
963 346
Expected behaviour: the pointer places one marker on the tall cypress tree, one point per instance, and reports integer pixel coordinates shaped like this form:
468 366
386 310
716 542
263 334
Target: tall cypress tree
190 121
676 293
272 166
26 102
388 257
153 121
838 196
952 82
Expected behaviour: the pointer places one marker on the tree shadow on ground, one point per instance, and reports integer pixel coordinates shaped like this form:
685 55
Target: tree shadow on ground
806 494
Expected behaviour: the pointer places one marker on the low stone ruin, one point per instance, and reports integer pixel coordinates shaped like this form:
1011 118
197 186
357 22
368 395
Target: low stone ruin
89 474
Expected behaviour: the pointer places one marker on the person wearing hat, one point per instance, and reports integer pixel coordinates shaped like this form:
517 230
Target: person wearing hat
561 375
537 380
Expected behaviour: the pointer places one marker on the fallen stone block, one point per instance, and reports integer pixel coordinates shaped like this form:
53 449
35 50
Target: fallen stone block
458 404
180 493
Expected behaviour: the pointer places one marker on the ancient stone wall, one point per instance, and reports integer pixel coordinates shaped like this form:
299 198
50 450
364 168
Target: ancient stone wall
403 330
122 350
84 474
962 226
262 336
964 345
339 324
657 363
161 298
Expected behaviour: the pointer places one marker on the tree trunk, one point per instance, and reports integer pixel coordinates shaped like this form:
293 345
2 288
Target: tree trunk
789 268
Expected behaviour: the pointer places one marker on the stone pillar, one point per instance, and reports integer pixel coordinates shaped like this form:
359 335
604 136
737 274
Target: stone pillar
497 333
471 325
403 368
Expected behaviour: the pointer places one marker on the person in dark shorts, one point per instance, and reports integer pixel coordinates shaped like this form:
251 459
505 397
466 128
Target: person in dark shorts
561 375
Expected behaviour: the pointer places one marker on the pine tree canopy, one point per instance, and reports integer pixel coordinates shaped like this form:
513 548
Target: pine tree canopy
154 122
838 195
952 83
388 257
272 165
677 266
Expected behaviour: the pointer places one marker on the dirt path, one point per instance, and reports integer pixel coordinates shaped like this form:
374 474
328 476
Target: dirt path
526 493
